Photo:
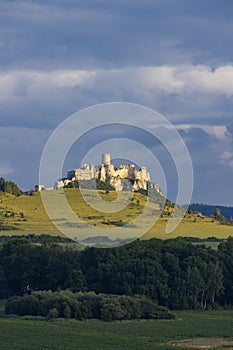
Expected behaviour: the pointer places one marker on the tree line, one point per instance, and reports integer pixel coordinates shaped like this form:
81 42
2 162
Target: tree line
81 306
173 273
212 210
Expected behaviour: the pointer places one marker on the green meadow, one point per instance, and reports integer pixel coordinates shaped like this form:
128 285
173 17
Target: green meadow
209 327
26 214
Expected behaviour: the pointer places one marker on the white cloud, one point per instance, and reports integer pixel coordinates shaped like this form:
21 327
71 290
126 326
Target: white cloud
135 81
41 98
203 79
218 131
16 83
161 78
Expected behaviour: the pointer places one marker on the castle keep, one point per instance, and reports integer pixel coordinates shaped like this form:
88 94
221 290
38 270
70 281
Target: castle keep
108 172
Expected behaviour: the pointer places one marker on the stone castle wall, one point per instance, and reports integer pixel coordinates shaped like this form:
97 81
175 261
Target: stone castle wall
117 176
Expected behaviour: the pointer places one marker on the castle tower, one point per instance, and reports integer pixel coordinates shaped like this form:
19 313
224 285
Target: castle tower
106 159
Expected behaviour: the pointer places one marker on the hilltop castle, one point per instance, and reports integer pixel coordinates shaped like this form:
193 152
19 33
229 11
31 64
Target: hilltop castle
139 179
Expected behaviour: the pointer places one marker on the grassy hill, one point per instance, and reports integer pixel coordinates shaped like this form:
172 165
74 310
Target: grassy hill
26 214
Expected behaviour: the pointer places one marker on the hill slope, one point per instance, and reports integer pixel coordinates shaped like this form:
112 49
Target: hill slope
26 214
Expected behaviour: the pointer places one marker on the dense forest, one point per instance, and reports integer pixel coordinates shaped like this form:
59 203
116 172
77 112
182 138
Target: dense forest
173 273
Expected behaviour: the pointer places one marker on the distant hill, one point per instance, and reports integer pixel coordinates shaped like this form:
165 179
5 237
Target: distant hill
209 210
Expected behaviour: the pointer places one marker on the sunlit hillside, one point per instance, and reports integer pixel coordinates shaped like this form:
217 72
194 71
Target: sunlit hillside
26 214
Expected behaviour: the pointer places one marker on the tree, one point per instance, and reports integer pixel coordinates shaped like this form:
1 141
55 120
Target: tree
225 252
53 313
9 187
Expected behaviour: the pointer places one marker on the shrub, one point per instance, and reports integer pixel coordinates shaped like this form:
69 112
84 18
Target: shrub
53 313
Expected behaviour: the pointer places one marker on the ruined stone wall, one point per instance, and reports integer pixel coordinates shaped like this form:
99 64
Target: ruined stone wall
108 172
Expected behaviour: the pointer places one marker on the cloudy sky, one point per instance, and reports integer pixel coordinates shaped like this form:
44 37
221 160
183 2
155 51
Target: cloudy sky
175 56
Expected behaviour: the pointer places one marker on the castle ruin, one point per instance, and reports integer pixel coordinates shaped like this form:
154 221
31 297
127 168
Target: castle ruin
116 176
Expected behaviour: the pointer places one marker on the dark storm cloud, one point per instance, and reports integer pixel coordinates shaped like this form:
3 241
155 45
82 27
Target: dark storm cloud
110 38
88 34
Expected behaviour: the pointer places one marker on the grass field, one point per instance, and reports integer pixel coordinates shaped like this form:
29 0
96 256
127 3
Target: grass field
26 214
19 334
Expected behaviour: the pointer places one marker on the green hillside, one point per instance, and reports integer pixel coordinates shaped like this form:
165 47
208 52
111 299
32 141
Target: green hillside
26 214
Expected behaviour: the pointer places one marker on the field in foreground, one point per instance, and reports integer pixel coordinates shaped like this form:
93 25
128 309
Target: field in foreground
20 334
